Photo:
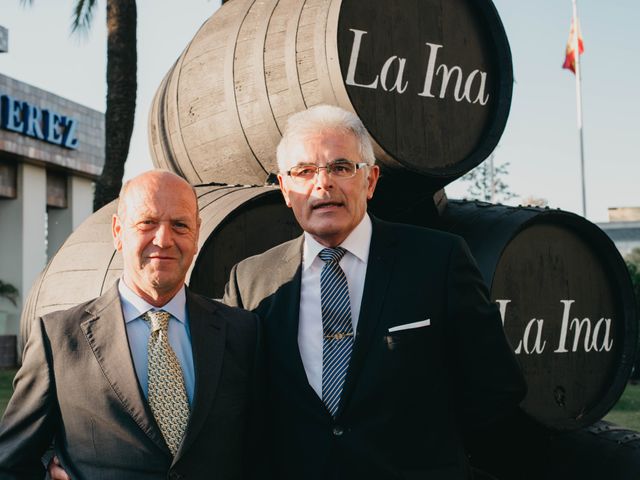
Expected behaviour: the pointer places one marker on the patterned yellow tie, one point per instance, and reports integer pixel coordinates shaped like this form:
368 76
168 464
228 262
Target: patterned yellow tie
167 395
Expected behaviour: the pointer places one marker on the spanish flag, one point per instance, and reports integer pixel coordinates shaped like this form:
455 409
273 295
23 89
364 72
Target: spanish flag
570 58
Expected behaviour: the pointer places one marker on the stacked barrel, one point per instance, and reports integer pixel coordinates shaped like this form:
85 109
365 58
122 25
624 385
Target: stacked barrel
432 82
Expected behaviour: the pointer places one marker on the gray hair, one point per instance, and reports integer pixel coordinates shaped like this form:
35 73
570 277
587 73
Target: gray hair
323 117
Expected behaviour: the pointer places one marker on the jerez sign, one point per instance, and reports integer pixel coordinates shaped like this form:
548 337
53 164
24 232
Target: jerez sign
43 124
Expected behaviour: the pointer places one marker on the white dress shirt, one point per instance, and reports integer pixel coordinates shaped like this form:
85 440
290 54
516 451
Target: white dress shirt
138 332
354 265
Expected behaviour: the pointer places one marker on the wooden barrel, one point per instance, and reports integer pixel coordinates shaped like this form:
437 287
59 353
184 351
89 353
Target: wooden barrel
237 222
28 311
432 82
566 301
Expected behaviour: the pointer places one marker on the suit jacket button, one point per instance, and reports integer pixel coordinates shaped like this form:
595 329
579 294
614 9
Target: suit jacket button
337 431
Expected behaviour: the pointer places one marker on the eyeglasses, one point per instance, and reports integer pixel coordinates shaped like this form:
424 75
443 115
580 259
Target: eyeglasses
337 169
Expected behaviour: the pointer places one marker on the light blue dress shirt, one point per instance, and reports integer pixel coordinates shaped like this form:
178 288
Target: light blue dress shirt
138 331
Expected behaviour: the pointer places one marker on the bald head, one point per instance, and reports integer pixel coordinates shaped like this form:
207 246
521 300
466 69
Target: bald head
152 179
156 229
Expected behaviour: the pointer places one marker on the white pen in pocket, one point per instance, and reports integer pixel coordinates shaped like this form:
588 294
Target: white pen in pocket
409 326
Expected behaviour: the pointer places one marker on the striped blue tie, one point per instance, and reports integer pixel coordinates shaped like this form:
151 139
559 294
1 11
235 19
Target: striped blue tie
336 325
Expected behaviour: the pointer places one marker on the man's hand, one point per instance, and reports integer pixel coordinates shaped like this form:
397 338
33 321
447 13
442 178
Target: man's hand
56 472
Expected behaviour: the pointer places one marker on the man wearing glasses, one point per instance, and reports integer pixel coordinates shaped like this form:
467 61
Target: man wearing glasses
382 342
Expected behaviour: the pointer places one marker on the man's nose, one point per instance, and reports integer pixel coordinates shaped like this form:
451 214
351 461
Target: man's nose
164 235
323 179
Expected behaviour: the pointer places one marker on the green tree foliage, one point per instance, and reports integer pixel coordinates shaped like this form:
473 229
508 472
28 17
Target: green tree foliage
9 292
487 182
633 266
634 257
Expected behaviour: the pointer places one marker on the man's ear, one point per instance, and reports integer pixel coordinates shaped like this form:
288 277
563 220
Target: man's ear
116 232
372 180
198 224
284 190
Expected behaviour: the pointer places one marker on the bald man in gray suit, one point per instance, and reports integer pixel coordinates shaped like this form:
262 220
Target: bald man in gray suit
127 398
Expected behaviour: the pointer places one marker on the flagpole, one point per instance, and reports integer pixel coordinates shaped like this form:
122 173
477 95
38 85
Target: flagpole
576 50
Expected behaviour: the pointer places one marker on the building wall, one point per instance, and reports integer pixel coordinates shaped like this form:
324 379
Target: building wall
22 237
87 159
626 235
62 221
31 231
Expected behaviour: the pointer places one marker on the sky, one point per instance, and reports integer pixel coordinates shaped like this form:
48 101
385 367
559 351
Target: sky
540 143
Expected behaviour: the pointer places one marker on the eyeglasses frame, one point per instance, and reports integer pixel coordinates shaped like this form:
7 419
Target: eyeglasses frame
328 168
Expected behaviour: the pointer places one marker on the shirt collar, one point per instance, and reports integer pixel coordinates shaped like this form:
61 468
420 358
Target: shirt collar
133 306
357 243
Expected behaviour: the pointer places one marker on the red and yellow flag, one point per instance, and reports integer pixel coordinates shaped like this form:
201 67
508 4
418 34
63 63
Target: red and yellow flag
570 58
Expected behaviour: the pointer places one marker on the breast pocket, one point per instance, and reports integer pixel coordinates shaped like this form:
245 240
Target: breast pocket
408 334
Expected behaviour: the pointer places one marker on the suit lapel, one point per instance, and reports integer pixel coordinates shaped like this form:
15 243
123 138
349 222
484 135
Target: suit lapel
106 334
382 256
208 337
284 321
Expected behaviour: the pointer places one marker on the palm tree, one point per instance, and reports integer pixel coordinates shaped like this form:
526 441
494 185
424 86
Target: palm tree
122 65
9 292
122 59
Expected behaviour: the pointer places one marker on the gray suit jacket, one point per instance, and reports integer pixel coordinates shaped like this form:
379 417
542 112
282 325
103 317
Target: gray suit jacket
408 394
78 385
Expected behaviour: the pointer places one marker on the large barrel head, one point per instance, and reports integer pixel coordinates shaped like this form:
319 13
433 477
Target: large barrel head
566 302
431 80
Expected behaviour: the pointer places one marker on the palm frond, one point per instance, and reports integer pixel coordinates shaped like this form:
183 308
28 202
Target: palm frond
82 15
9 292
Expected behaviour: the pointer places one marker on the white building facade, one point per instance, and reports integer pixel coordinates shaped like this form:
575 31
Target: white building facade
51 151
